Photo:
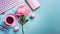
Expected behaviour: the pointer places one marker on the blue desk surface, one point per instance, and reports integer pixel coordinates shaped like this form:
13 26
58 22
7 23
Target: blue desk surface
47 20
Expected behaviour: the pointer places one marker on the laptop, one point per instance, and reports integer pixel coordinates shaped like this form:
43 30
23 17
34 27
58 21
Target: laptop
8 4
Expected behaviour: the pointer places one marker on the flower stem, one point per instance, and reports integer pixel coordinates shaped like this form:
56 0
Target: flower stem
22 30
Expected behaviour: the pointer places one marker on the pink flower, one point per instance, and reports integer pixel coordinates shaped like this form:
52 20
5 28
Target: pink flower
22 10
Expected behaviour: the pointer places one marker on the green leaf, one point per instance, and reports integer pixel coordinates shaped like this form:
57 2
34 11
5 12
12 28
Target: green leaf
23 20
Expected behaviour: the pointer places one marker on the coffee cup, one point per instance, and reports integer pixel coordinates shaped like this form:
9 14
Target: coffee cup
10 20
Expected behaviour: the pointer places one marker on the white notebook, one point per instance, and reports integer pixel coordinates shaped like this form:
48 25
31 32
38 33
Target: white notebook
8 4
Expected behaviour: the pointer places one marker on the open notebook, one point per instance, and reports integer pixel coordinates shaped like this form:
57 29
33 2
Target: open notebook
8 4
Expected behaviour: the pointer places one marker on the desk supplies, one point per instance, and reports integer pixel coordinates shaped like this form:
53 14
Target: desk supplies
8 4
16 28
33 4
32 15
10 20
2 28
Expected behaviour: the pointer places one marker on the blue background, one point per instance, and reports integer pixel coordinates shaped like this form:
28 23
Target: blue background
47 20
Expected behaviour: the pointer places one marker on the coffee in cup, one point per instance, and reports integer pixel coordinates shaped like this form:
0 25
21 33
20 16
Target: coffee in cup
10 20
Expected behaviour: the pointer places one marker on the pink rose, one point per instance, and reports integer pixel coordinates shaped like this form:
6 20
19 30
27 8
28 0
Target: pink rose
22 10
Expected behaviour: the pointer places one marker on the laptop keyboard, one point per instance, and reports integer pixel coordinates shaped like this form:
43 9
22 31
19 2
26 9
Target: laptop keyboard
8 4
